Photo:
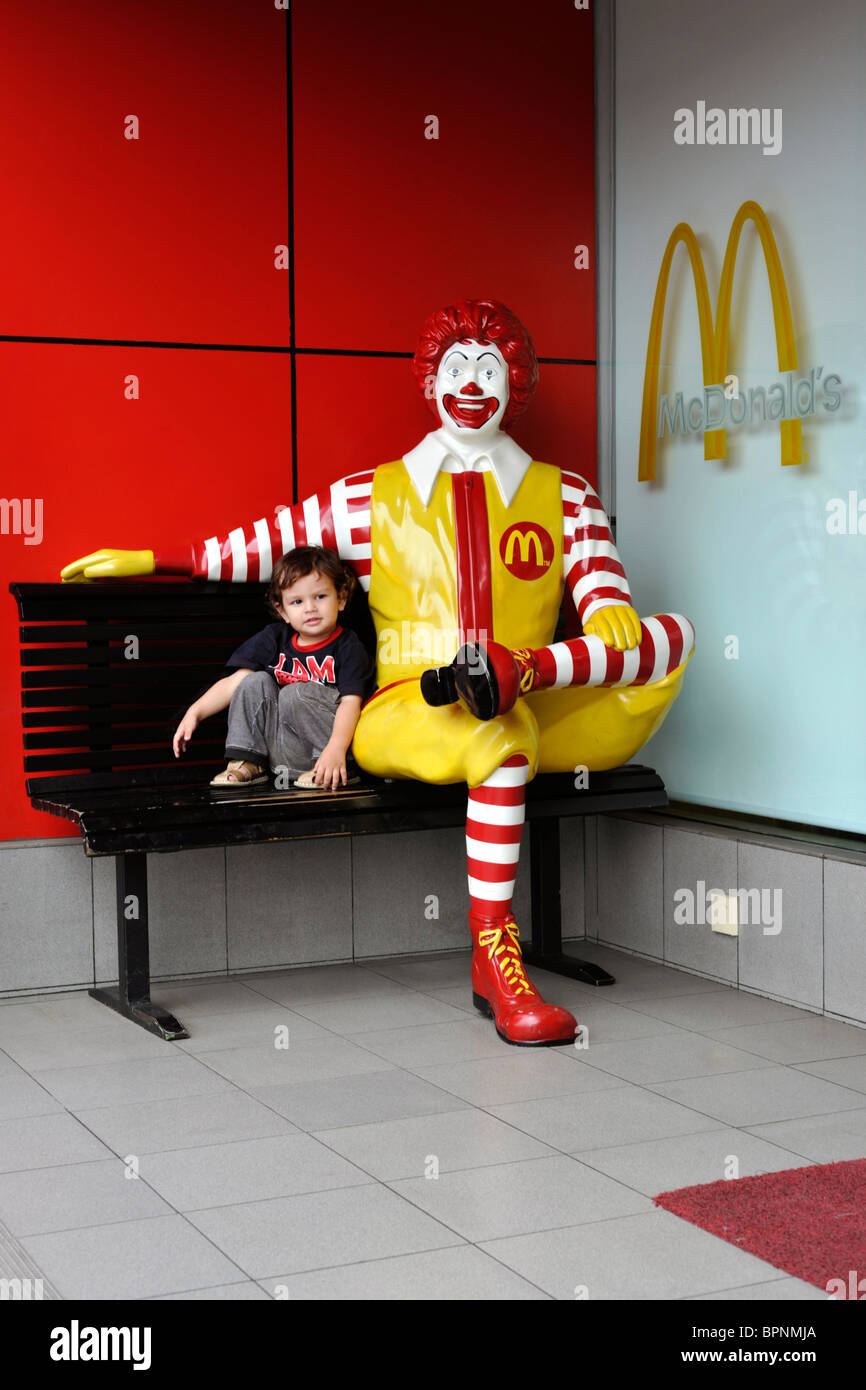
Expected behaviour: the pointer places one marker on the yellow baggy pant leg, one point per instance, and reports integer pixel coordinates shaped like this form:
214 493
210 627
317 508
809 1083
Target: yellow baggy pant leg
598 727
400 735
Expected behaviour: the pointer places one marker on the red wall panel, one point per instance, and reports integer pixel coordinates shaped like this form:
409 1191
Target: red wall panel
390 225
205 447
167 237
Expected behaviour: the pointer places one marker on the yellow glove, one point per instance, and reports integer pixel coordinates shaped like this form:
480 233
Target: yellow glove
617 626
110 564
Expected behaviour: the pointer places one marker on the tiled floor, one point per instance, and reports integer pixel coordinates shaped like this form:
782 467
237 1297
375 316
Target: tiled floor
361 1132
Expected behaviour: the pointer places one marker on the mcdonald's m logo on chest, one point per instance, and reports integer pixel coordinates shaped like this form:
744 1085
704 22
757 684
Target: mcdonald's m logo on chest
722 403
526 550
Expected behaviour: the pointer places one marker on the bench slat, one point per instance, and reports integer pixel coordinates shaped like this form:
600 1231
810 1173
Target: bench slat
208 629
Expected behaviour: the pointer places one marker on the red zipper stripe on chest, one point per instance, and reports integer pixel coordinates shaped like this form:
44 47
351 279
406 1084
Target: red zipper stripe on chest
472 545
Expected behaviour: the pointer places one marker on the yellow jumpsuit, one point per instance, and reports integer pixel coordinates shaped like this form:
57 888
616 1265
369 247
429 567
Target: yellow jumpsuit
450 572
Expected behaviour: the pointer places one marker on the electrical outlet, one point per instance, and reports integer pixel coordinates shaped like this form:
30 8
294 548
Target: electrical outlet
724 914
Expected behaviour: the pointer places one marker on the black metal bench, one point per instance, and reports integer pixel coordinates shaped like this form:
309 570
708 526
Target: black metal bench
108 669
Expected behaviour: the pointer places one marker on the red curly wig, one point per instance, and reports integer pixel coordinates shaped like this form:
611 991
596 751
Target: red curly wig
486 321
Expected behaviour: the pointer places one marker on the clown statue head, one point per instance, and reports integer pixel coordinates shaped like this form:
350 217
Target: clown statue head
476 365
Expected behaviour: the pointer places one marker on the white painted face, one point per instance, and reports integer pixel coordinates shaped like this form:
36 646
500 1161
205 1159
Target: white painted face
472 389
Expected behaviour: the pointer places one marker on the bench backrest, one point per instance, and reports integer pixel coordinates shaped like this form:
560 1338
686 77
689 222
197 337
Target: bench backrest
109 667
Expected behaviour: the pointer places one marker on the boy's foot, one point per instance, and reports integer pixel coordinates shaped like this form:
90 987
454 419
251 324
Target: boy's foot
306 782
239 773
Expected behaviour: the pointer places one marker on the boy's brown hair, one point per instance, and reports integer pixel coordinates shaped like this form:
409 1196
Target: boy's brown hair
304 560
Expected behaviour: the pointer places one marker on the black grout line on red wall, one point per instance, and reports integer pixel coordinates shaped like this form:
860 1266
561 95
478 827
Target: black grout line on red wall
290 157
253 347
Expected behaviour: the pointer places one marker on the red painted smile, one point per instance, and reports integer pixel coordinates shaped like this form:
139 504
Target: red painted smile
470 411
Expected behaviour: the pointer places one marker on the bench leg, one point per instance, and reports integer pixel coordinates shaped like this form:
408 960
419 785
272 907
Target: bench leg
546 948
131 995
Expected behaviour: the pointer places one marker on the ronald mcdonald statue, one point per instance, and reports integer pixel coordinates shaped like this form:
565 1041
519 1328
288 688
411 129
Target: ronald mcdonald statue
470 552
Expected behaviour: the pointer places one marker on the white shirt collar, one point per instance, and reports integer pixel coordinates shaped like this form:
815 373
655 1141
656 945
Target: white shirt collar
506 460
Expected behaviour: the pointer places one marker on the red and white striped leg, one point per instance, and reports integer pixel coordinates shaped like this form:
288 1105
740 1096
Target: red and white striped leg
500 986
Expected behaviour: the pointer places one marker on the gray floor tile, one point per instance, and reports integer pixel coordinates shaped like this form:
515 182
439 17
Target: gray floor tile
218 1032
321 1229
80 1046
530 1074
673 1055
75 1195
249 1170
183 1122
600 1119
830 1138
41 1141
458 996
363 1098
350 1016
20 1095
845 1071
808 1039
223 1292
147 1078
605 1022
654 1255
131 1259
757 1097
255 1067
634 977
664 1165
458 1139
459 1272
318 984
517 1198
427 972
195 997
725 1008
432 1043
784 1290
75 1009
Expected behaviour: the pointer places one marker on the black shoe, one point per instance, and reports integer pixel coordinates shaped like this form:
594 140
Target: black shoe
469 678
438 685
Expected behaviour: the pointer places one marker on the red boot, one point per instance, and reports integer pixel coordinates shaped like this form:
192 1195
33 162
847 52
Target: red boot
502 990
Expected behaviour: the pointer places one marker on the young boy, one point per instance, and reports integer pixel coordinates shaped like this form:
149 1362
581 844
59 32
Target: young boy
295 697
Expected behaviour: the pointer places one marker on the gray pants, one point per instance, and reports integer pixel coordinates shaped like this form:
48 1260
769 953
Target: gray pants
287 726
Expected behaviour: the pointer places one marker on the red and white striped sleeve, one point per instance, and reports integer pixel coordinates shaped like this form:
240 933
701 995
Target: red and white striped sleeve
593 571
338 519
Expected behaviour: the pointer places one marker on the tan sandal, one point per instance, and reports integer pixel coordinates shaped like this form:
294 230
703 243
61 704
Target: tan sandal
308 783
239 774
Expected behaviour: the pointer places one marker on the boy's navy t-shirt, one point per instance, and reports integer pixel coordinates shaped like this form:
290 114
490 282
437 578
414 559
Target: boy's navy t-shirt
339 660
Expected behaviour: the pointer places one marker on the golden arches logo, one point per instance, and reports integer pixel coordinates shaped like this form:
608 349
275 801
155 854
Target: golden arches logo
534 550
525 541
714 337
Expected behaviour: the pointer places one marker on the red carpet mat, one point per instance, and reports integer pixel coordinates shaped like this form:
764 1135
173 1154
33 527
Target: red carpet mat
810 1222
